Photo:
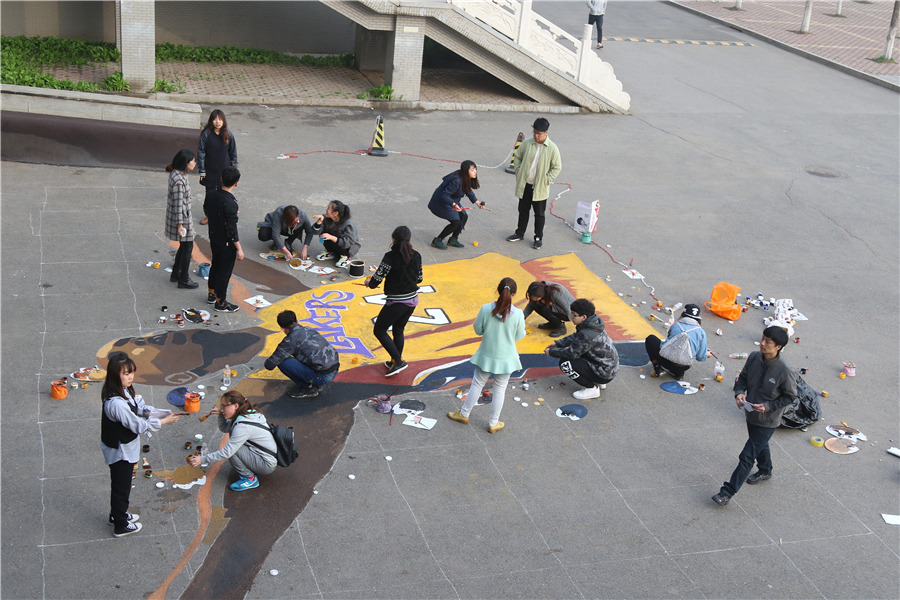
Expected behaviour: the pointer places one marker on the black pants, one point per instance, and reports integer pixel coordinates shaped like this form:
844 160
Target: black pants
265 235
526 205
579 371
223 258
454 228
393 315
182 267
652 344
598 21
119 492
756 450
335 249
555 319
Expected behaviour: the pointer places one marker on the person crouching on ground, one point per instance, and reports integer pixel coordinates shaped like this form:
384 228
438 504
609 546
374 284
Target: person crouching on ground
444 203
551 301
401 270
689 323
284 225
304 356
338 232
501 325
587 357
250 449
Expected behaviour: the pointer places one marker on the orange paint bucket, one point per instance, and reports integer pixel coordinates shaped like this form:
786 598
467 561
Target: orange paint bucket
191 402
58 390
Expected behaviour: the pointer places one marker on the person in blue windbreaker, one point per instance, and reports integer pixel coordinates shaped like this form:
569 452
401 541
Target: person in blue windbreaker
445 203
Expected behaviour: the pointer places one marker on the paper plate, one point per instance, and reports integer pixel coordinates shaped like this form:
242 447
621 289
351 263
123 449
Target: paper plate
572 411
678 387
85 375
840 445
843 431
296 264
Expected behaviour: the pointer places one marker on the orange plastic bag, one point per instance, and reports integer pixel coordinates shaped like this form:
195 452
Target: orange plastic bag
722 301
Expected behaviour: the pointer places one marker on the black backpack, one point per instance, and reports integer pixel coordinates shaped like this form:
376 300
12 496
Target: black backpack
284 440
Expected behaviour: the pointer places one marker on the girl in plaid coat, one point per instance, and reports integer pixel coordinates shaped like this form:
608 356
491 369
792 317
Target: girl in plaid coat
179 225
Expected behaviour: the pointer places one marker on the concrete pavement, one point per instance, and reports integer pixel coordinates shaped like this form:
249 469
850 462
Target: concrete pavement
716 176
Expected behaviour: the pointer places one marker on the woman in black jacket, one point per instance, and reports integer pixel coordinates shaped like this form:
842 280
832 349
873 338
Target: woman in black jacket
401 270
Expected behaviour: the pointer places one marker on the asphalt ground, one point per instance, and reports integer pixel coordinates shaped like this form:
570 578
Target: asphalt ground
717 175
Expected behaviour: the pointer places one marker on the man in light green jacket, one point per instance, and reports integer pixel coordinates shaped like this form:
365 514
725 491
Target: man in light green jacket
537 163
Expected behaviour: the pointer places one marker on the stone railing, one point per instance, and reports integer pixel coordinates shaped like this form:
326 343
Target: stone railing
535 34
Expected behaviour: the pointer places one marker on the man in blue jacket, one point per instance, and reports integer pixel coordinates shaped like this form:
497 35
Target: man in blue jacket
689 323
304 356
765 387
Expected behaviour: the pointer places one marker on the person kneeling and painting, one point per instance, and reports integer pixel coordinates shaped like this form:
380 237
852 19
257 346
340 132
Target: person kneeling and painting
588 357
250 449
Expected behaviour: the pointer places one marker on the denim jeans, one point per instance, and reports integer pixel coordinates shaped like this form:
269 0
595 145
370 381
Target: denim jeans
755 450
303 375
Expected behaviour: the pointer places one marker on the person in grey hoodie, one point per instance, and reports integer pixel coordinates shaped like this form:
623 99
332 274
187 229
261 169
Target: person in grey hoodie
595 17
588 357
764 389
284 225
550 300
250 449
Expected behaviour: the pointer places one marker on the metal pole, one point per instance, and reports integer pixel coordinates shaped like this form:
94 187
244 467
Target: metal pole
807 16
889 45
737 4
840 8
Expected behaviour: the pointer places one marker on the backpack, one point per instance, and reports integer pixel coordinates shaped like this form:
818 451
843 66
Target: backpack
284 440
678 349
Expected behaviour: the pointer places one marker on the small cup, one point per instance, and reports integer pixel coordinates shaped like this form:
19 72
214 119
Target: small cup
148 473
156 265
145 448
188 445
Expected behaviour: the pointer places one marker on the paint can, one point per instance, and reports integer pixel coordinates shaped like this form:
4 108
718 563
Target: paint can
850 369
148 473
188 445
191 402
203 270
58 390
356 268
156 265
145 448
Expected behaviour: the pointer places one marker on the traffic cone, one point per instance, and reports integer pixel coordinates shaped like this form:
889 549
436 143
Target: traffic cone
512 160
377 148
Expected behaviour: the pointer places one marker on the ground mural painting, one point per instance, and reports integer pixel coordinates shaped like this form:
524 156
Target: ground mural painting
439 342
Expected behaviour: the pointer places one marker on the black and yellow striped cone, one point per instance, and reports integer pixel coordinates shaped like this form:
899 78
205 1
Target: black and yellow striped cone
512 160
377 148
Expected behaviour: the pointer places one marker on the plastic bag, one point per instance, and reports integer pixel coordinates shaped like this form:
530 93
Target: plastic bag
805 410
722 301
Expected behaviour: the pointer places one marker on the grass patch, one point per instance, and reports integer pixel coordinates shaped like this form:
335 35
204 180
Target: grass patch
883 59
380 92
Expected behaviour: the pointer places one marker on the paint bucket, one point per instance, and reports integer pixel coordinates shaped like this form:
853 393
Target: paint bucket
191 402
58 390
357 268
203 270
850 369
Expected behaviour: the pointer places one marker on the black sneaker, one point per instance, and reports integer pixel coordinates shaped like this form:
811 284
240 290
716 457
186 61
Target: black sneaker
545 326
537 243
131 528
515 238
758 476
225 307
132 518
305 392
396 368
721 499
210 298
188 284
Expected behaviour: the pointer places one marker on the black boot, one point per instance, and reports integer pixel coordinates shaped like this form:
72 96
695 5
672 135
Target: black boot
188 283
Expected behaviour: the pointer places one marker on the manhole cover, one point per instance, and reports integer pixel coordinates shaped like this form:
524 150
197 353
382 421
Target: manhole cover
822 171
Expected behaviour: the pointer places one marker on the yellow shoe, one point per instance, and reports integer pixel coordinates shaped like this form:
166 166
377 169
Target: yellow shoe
457 416
495 428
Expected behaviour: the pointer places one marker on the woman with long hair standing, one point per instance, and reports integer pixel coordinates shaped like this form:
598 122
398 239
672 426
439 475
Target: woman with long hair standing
215 151
123 418
444 203
401 270
179 222
501 325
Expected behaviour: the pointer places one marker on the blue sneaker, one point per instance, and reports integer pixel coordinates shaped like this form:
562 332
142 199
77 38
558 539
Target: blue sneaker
243 484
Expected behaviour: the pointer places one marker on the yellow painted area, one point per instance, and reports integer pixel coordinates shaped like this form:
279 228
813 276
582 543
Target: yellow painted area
341 313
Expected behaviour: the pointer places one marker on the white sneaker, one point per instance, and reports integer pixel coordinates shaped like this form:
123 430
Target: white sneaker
586 393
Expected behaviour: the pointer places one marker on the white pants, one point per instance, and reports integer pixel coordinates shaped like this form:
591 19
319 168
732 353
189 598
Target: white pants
499 393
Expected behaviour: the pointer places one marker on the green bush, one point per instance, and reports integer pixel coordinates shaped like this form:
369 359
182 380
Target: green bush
116 83
230 54
381 92
176 87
